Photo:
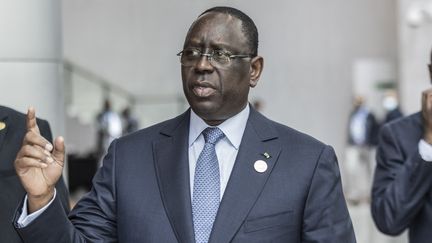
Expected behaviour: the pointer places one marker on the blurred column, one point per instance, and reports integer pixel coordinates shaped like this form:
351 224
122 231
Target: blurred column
415 43
31 58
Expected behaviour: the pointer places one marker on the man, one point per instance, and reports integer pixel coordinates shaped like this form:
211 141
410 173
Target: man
109 127
220 172
401 193
130 123
362 125
391 106
359 162
12 132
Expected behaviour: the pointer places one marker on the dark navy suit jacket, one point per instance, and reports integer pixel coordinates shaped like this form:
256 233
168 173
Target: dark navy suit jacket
11 191
142 192
402 187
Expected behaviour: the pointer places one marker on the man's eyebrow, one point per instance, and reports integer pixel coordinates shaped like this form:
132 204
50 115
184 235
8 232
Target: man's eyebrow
221 46
196 42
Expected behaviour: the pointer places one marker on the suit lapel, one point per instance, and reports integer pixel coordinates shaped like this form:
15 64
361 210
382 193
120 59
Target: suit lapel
245 183
172 168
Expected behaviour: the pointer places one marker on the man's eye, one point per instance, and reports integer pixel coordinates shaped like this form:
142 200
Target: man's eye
192 53
219 53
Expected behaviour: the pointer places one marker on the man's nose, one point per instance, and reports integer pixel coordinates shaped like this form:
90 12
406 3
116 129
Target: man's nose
204 63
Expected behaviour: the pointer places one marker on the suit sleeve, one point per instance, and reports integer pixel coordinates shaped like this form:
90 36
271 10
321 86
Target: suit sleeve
326 217
401 184
93 219
61 188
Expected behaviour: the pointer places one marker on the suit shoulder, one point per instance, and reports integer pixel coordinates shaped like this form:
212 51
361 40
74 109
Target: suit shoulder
407 122
299 137
17 122
292 136
17 115
11 113
156 130
404 132
301 146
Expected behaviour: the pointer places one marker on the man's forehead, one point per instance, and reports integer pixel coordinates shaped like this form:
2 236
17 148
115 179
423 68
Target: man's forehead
219 28
216 20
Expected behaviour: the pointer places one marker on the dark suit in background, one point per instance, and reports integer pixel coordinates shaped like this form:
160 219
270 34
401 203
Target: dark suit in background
402 188
142 192
393 115
11 190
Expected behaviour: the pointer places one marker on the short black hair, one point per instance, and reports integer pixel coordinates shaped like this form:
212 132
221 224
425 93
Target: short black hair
248 26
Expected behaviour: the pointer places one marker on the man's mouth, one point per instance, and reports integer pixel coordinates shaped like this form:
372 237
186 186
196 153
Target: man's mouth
202 91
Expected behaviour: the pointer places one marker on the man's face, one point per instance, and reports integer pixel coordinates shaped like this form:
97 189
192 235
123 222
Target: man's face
218 93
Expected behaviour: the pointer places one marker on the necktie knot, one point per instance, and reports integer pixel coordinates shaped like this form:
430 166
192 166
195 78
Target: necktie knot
212 135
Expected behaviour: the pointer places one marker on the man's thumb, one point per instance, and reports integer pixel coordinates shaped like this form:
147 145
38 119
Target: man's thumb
59 150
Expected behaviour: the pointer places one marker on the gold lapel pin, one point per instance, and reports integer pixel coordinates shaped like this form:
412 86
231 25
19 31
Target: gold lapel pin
2 125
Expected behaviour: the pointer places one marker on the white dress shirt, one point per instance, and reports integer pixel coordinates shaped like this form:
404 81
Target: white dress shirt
226 149
425 150
25 219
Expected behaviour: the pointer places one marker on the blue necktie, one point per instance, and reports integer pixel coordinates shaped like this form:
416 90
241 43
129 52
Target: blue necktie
206 190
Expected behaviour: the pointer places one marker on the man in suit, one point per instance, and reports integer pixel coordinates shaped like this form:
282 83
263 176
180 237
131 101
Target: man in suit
402 187
359 161
391 106
12 132
363 126
220 172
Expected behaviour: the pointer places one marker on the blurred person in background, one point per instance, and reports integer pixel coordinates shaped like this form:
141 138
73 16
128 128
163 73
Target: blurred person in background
12 132
130 123
109 126
362 139
362 124
391 106
402 187
220 172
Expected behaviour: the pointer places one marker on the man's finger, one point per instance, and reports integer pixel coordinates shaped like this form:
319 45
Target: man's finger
59 150
36 153
27 162
33 138
31 120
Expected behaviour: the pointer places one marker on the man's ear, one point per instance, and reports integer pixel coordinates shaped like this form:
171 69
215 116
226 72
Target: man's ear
257 65
430 71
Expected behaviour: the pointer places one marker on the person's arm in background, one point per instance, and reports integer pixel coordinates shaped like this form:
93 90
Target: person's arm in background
402 181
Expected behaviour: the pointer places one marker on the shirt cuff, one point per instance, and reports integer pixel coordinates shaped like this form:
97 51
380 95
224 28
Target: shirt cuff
425 150
25 219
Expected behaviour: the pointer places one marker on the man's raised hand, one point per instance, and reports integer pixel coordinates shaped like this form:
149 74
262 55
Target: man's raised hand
39 164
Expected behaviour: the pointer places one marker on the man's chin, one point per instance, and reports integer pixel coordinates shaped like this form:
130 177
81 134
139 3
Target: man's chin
205 109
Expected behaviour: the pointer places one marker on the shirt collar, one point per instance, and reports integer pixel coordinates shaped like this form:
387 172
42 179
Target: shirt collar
233 128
